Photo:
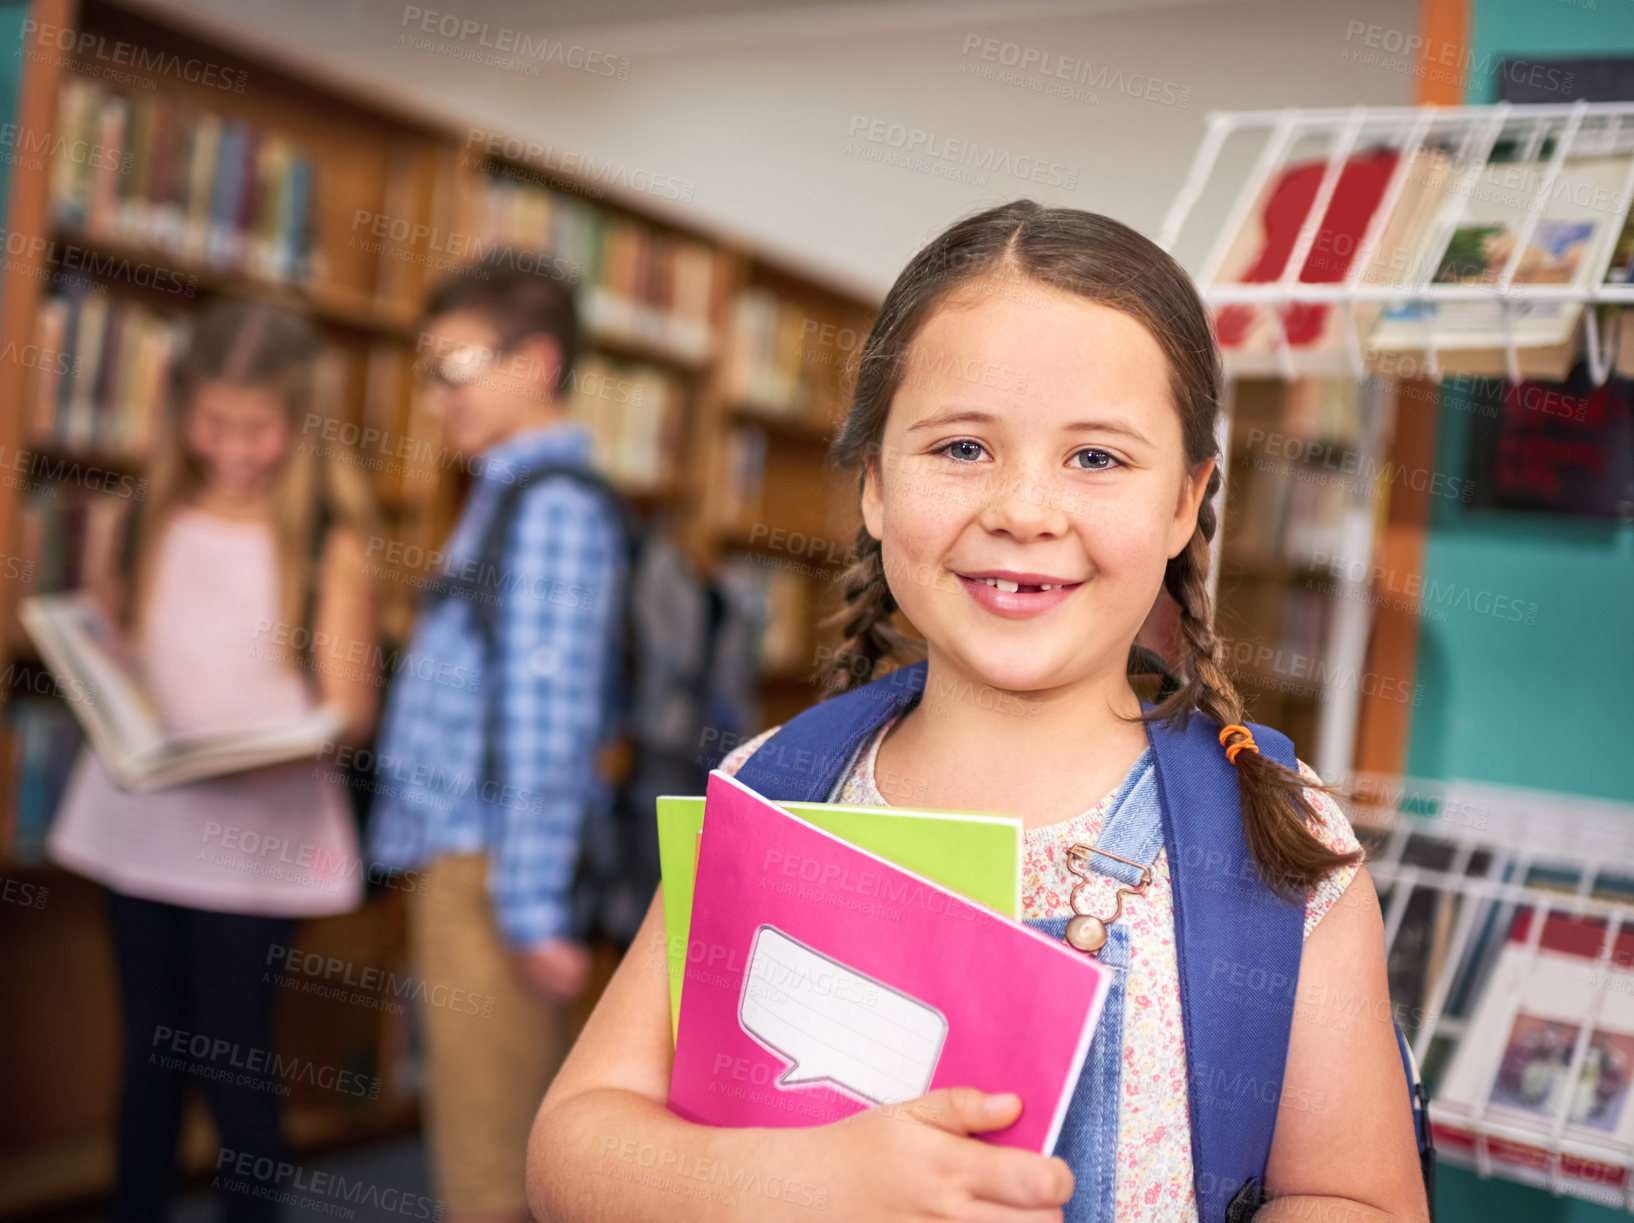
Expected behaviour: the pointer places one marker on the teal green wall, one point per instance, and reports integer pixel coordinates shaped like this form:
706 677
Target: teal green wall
1549 705
1542 29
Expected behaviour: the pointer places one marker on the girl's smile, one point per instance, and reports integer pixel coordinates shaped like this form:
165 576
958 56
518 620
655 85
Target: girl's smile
1005 592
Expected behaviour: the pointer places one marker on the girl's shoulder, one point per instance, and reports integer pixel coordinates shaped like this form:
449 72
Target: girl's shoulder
735 759
1334 831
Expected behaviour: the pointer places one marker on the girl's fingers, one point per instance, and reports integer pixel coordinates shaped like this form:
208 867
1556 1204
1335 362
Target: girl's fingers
964 1110
1003 1176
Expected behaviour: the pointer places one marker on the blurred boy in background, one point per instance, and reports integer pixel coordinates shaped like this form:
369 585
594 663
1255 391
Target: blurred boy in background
499 739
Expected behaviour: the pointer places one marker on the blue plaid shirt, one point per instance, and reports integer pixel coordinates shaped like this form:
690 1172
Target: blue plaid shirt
557 654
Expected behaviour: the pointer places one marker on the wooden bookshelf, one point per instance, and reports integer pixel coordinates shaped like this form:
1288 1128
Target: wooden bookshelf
369 159
1293 622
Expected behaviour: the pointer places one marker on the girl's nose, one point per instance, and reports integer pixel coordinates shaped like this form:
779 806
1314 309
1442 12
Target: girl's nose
1024 507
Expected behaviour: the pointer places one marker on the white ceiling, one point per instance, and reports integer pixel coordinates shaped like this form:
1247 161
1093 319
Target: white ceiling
755 104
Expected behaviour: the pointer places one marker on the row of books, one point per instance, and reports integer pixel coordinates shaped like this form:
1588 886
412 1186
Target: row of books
766 362
157 171
1446 228
782 598
1305 618
1328 408
102 382
63 527
103 374
745 473
636 283
1294 511
633 413
44 744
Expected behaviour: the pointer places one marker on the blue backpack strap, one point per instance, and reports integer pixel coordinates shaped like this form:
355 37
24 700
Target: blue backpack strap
803 760
1238 947
483 588
1421 1118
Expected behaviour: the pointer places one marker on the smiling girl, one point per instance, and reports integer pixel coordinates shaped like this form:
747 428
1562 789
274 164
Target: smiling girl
1025 526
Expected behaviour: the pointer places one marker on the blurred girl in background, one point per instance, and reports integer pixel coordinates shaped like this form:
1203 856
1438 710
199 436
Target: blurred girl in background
246 549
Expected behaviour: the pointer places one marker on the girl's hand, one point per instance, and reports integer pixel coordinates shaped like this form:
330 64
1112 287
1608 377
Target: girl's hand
916 1161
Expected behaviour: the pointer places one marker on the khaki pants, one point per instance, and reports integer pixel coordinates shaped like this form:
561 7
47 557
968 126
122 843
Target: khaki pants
492 1044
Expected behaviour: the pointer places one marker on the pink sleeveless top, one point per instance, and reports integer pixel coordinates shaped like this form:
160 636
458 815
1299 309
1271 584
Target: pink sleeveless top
277 841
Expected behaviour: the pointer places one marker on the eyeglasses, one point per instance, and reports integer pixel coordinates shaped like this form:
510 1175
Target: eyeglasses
458 369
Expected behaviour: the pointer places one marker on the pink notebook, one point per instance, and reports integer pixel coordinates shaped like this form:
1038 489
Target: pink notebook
828 980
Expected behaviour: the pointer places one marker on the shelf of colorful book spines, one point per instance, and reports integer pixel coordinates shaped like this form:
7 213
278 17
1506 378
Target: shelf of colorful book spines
1295 460
642 291
101 385
791 358
159 173
60 525
1283 527
103 368
786 383
638 285
220 194
45 739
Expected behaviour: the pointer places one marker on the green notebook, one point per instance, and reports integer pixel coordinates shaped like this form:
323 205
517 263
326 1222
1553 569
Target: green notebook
978 856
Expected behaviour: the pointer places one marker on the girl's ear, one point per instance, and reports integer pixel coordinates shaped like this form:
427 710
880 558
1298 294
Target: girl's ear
873 497
1184 525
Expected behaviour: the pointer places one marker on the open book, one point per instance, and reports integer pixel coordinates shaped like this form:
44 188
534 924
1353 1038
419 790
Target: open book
85 653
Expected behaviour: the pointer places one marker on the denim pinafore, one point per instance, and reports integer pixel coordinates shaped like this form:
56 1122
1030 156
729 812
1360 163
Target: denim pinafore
1088 1142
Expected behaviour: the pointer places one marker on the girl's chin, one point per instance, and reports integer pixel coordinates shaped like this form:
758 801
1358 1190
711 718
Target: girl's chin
238 485
1021 673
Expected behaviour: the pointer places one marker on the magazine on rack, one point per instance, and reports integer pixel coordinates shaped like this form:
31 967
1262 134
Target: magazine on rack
89 659
1259 253
1471 244
1548 1058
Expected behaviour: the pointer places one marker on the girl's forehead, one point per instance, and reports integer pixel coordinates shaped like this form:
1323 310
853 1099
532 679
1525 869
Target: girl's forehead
239 401
1008 303
1025 346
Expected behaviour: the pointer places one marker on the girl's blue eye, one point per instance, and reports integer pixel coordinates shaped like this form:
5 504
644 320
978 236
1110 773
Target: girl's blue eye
1099 460
963 450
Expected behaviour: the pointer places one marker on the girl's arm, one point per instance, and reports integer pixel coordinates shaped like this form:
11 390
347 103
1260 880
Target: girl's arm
605 1147
1344 1144
347 675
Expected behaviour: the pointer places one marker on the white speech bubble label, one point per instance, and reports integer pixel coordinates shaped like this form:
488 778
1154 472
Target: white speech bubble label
835 1025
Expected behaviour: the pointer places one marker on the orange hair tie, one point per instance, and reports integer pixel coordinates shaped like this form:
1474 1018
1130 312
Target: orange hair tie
1246 742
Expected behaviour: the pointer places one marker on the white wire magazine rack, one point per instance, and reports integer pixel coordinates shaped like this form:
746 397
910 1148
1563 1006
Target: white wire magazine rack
1470 134
1485 853
1473 854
